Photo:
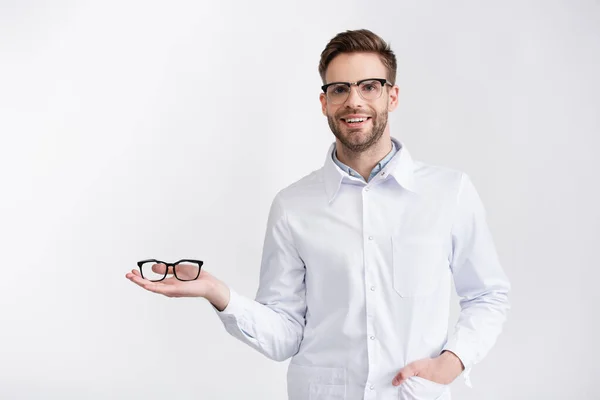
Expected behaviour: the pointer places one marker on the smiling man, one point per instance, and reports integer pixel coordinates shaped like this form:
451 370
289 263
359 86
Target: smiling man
359 256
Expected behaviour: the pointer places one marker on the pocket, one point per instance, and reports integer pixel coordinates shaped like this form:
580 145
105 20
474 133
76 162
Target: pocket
417 388
418 264
319 391
316 383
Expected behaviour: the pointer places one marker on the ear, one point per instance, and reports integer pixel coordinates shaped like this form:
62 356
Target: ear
393 98
323 100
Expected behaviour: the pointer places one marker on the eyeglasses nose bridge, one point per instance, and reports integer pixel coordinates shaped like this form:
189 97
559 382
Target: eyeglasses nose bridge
171 267
350 92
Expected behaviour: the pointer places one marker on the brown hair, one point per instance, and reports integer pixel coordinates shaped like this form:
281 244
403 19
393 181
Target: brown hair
361 40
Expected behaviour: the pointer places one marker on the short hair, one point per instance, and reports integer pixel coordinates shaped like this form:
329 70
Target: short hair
359 41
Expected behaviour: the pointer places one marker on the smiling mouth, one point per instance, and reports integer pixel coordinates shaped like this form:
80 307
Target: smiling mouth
355 122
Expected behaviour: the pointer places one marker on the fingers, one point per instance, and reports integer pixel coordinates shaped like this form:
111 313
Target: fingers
187 271
135 277
160 268
172 286
134 272
162 287
404 374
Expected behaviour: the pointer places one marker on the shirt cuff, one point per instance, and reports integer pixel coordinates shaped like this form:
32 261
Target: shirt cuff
234 308
463 353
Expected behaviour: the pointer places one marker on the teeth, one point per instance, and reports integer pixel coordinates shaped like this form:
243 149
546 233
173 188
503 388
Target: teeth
356 119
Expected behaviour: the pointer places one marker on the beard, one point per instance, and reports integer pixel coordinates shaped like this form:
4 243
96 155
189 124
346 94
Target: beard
358 140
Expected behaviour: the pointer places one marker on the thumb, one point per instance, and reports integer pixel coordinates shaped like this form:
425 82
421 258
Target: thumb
404 374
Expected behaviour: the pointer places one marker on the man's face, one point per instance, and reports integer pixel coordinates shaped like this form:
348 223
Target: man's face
358 137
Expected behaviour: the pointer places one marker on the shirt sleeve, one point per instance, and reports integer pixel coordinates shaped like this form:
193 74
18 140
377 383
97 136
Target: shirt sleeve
479 279
273 323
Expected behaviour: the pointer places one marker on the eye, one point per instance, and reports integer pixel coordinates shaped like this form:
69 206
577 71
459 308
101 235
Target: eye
369 87
338 89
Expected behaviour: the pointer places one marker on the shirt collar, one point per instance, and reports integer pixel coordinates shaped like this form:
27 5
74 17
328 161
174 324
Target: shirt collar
376 169
400 167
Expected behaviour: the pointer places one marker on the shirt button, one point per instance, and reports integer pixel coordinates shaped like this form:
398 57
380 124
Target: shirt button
383 174
370 237
372 288
371 387
372 338
367 189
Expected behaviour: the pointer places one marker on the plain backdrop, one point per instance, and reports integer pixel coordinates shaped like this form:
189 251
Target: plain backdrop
139 129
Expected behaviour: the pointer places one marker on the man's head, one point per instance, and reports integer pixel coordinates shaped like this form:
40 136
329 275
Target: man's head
354 56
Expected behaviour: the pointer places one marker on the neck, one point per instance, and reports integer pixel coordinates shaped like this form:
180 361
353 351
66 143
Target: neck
365 161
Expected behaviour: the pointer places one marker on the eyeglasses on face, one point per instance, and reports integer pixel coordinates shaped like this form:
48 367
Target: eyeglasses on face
369 89
156 270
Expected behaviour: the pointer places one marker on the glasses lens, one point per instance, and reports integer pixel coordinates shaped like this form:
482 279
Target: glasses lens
187 270
370 90
337 93
155 271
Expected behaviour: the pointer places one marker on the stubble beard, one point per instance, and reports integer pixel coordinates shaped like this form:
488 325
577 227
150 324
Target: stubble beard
379 122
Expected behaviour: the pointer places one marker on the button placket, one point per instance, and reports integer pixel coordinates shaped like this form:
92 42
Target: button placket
368 305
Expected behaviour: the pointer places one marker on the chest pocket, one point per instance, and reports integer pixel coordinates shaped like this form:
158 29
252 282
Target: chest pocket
419 263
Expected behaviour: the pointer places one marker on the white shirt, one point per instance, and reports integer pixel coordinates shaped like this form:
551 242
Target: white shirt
355 280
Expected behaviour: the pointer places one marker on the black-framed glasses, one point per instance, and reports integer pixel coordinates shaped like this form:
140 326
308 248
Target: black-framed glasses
368 89
157 270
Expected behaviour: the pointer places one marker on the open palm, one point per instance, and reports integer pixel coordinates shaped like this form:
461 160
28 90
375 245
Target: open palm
173 287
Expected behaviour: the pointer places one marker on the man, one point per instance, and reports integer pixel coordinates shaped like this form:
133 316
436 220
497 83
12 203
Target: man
358 256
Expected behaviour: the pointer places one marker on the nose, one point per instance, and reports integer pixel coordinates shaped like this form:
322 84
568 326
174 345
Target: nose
354 100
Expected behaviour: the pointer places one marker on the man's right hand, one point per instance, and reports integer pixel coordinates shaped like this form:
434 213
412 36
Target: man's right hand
206 285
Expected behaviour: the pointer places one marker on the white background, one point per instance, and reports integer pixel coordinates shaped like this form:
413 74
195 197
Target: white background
134 130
